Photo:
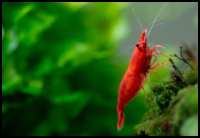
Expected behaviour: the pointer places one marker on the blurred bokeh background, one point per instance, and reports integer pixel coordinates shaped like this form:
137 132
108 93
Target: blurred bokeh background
62 63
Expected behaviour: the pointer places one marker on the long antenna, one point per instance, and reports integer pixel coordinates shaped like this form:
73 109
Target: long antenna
148 26
137 19
156 18
122 52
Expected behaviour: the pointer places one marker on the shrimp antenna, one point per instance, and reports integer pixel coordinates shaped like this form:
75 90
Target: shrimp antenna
156 18
154 24
122 52
137 18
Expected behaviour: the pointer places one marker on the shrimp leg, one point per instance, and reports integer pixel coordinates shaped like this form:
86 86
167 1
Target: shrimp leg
154 58
153 71
155 50
143 85
160 64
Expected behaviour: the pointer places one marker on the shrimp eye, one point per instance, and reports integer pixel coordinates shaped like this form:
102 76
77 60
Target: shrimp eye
137 45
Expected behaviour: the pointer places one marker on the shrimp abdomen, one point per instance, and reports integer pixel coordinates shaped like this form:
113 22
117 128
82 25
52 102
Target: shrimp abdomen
129 87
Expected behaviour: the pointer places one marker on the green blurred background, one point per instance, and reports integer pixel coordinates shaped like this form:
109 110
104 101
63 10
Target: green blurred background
62 63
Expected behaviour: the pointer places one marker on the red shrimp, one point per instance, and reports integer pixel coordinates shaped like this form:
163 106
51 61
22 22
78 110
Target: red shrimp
135 76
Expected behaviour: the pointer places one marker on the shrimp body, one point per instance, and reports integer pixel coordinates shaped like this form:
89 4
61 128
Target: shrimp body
134 76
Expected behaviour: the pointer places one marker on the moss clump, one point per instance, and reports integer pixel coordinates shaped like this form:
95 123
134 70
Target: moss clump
170 105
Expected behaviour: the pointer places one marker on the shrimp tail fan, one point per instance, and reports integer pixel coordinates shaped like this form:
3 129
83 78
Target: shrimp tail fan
121 120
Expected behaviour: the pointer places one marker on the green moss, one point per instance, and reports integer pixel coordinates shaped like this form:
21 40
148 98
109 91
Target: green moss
191 76
170 105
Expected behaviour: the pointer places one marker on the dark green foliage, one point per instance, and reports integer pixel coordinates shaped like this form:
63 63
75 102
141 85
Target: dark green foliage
171 105
56 76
